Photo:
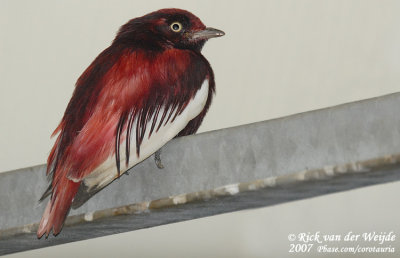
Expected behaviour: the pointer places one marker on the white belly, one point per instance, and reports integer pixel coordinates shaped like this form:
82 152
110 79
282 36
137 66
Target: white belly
107 171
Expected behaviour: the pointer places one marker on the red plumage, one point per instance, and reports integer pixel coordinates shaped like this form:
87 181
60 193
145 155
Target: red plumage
141 85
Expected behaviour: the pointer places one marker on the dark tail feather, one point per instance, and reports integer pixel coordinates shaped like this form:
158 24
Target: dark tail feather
58 208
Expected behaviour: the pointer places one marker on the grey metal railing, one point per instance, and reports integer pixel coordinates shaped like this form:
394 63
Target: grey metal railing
249 166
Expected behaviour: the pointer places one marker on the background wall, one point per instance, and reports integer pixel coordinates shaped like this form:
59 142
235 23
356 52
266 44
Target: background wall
277 58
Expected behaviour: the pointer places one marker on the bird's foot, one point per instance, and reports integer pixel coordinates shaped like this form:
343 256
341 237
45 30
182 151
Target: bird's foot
157 159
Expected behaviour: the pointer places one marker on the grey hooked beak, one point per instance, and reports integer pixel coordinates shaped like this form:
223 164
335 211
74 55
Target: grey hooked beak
207 33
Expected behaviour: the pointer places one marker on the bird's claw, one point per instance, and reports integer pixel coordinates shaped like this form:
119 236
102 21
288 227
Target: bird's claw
157 159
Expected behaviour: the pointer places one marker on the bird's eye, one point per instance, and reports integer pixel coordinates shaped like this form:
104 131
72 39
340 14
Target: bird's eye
176 26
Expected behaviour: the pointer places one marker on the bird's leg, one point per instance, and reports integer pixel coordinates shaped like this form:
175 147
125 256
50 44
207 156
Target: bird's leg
157 159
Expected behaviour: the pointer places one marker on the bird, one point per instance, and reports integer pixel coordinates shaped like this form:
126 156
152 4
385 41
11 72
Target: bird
150 85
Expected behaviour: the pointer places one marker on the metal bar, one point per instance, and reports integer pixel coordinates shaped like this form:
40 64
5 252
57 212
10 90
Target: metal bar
255 165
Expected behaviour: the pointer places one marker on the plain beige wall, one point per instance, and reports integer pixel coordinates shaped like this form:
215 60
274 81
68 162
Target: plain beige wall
277 58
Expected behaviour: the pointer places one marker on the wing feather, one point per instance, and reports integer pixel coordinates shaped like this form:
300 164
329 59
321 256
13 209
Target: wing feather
123 95
133 91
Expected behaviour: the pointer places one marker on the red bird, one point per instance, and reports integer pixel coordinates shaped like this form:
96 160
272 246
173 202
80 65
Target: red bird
151 85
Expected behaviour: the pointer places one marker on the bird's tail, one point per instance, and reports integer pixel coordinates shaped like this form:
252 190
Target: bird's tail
58 207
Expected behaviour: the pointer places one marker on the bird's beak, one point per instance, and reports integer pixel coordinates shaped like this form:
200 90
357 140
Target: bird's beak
207 33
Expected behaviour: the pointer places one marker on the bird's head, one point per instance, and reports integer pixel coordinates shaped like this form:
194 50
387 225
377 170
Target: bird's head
167 28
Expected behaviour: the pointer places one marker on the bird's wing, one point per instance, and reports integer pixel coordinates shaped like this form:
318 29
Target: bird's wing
160 127
122 110
139 96
140 111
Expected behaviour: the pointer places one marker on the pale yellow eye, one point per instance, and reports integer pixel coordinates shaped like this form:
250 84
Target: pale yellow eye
176 26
